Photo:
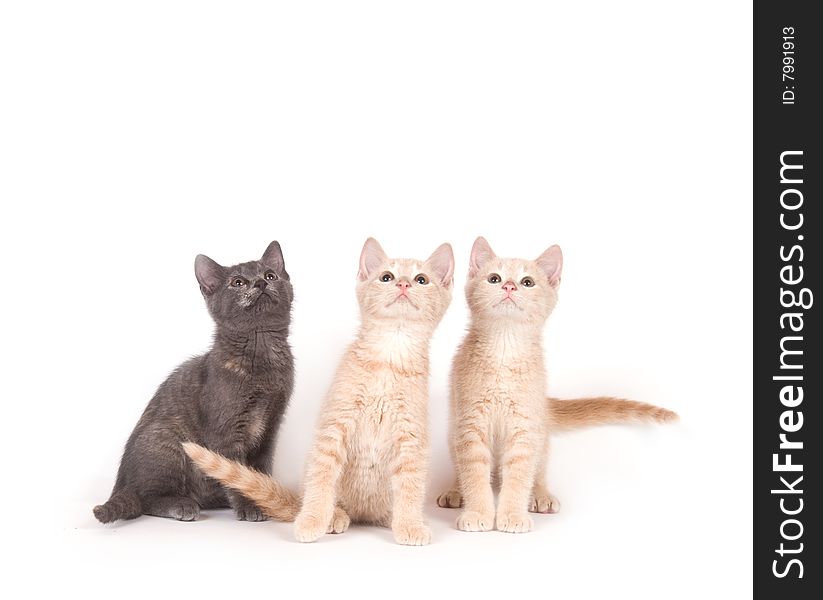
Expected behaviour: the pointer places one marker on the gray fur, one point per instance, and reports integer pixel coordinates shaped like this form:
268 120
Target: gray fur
231 399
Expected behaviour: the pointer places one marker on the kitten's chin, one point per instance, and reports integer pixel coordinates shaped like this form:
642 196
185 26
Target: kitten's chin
507 310
263 302
508 306
403 310
401 305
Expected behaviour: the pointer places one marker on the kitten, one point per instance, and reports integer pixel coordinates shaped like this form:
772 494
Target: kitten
231 399
500 415
371 447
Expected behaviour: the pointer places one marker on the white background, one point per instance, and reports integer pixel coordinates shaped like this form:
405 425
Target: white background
134 136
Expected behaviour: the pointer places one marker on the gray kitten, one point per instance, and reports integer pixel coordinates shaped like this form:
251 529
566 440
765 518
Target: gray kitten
230 399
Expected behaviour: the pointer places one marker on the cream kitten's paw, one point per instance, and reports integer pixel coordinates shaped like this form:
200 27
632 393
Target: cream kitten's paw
514 522
411 533
339 522
308 528
450 499
544 502
471 520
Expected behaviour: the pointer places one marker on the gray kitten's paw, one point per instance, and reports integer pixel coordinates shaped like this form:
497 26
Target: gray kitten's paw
185 510
250 513
450 499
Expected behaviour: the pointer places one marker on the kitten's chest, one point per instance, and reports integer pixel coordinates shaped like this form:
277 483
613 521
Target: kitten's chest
249 387
263 371
390 398
500 375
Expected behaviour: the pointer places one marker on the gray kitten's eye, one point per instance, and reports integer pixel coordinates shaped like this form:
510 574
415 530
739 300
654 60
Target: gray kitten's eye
271 276
494 278
527 282
421 279
386 277
238 282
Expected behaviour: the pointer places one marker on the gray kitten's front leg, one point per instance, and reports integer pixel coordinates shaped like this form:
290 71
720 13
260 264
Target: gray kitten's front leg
244 508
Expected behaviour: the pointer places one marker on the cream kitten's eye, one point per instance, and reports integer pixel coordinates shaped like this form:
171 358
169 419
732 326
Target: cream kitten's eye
271 276
494 278
386 277
421 279
527 282
238 282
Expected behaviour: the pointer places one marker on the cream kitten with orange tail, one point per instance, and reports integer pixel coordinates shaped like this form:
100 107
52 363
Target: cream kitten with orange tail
500 415
370 457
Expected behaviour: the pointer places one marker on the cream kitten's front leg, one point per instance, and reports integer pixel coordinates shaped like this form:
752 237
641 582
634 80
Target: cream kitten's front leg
408 482
473 461
325 467
517 469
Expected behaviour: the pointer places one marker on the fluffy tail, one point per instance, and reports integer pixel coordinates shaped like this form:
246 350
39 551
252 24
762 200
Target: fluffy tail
573 414
123 504
276 501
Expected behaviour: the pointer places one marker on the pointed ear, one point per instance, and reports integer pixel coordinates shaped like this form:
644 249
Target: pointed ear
442 264
273 258
480 255
209 274
551 263
371 258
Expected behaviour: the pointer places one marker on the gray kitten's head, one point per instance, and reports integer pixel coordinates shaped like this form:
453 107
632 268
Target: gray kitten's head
251 296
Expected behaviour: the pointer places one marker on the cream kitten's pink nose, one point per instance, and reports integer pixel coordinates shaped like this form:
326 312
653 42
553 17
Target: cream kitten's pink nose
403 285
509 287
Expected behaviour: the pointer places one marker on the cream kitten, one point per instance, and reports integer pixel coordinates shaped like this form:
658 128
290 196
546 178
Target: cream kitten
369 460
500 415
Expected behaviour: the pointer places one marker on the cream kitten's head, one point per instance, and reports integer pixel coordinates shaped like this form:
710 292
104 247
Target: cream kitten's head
512 288
404 288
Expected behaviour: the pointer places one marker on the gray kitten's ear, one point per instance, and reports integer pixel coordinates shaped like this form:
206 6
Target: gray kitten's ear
371 257
209 274
551 263
273 258
442 264
480 255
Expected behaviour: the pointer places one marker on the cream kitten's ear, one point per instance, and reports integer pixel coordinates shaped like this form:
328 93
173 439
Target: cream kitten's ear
551 263
371 258
481 254
442 264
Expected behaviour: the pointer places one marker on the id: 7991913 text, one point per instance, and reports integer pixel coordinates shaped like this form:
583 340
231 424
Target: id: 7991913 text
788 65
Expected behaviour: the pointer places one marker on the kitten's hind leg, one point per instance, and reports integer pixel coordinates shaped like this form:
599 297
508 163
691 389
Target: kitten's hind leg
542 501
339 522
172 507
451 498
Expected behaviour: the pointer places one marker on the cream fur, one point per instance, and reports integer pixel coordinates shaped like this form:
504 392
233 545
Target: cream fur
371 447
500 415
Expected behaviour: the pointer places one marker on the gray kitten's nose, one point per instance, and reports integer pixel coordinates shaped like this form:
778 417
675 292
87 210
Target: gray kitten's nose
260 283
